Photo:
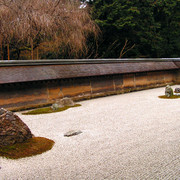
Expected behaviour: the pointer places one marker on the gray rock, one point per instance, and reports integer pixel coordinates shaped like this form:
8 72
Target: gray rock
168 91
2 111
62 103
12 129
177 90
72 133
65 102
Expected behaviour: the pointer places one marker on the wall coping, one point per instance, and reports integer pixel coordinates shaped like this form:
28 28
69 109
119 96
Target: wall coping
82 61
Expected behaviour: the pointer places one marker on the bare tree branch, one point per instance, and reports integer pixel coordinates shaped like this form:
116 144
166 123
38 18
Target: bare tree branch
125 49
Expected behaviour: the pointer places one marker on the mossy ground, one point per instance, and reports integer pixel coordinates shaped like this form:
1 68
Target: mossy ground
31 147
172 97
46 110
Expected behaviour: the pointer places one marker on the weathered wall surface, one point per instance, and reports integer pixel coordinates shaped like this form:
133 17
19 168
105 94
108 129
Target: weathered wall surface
178 77
27 86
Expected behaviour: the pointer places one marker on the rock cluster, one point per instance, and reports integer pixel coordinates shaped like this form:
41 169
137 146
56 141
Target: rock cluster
12 129
62 103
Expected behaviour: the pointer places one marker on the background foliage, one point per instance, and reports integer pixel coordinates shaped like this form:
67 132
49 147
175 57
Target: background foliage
137 28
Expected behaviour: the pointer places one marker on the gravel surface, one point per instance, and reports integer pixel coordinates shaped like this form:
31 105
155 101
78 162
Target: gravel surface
129 136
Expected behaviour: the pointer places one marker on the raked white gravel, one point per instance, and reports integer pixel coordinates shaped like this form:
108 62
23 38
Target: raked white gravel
129 136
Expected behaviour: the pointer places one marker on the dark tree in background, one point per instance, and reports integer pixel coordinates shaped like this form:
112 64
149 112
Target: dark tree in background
137 28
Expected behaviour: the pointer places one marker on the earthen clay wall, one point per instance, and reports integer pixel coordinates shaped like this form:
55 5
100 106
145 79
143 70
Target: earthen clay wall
24 87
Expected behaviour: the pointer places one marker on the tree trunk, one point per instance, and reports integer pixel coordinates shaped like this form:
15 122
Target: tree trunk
18 54
1 51
37 53
32 50
8 52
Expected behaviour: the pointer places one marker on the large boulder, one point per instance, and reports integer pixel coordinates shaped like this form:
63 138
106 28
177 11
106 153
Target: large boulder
12 129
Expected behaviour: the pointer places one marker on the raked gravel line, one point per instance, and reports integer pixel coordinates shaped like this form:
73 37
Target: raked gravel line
129 136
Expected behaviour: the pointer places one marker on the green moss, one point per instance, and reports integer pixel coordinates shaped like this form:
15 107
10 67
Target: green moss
31 147
46 110
172 97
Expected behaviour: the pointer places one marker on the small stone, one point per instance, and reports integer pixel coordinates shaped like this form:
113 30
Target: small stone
55 107
72 133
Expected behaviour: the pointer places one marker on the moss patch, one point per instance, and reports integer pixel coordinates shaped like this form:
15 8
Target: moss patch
46 110
31 147
172 97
